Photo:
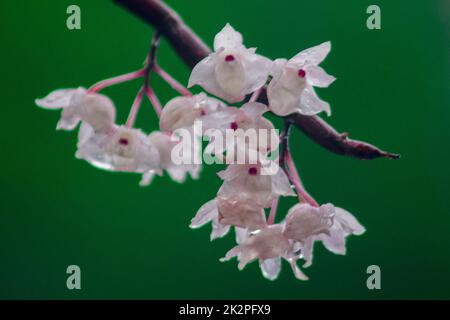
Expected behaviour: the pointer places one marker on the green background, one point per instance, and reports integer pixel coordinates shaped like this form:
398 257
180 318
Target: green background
132 242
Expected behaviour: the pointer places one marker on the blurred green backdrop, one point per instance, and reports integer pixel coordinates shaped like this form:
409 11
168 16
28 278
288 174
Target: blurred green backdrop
131 242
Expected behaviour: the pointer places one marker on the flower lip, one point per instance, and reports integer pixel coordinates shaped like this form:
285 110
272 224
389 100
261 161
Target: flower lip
123 141
301 73
234 125
229 58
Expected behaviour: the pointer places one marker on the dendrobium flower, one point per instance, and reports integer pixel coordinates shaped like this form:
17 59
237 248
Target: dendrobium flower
344 224
232 71
327 223
268 245
242 213
262 184
77 104
209 213
294 238
245 129
303 221
122 149
165 142
181 112
291 88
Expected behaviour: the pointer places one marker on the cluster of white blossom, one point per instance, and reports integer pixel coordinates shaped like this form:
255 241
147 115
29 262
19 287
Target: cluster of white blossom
230 73
110 146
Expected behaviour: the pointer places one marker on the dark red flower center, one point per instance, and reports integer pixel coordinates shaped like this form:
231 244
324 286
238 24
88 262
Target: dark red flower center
253 171
301 73
229 58
123 141
234 125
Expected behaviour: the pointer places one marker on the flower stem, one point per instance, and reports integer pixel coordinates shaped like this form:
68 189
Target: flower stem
135 108
153 100
255 95
273 211
172 82
295 179
116 80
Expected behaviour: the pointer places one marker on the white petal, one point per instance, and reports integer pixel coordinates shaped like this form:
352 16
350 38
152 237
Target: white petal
227 38
282 100
304 221
257 69
204 74
259 188
317 77
241 234
147 156
220 119
231 77
218 230
58 99
233 252
206 213
276 69
297 271
254 110
178 113
177 173
307 252
311 104
268 243
281 185
232 172
194 171
335 241
181 112
271 268
99 111
241 212
349 222
84 133
69 118
314 55
147 178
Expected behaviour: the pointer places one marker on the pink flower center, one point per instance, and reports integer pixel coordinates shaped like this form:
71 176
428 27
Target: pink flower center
229 58
253 171
123 141
301 73
234 125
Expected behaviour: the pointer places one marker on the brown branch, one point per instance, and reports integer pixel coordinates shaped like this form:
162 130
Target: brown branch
192 49
184 41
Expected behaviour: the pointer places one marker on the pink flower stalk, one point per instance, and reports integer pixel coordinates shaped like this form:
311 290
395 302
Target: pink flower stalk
135 108
172 82
116 80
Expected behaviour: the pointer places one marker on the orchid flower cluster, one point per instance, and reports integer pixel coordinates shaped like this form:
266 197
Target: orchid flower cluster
231 73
